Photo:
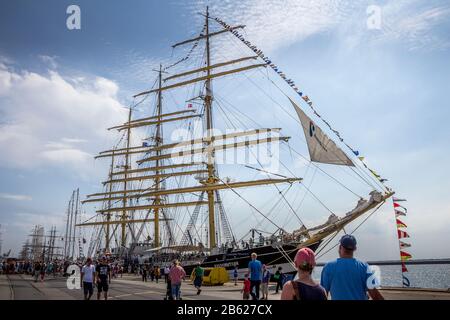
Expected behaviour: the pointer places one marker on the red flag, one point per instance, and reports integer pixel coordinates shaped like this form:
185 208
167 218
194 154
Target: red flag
190 105
402 234
400 224
396 205
404 268
405 256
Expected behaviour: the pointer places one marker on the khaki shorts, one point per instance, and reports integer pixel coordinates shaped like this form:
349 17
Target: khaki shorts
264 288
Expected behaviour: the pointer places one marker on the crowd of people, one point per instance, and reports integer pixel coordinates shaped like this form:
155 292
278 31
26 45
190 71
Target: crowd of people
345 278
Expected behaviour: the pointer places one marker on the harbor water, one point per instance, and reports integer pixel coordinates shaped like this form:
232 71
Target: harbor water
431 276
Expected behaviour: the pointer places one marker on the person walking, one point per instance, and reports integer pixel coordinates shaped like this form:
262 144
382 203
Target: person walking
43 267
246 289
157 274
279 277
347 278
37 271
144 273
304 287
235 275
255 271
166 273
198 280
103 278
176 275
152 273
87 279
265 283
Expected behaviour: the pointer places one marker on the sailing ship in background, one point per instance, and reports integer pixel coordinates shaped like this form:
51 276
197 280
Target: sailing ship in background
155 185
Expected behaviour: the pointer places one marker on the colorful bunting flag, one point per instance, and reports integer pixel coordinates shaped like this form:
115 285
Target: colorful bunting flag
291 83
404 244
405 256
404 269
400 224
396 205
406 282
402 234
399 213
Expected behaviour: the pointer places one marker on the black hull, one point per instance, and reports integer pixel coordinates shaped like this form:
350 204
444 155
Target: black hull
268 255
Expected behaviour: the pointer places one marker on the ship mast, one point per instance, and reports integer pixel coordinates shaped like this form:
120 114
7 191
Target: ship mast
158 143
108 215
125 183
209 126
157 152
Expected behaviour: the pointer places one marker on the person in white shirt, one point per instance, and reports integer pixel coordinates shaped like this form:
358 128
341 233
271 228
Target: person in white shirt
87 279
166 274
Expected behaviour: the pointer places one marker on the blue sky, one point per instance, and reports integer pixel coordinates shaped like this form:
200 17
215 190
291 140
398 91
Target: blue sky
384 89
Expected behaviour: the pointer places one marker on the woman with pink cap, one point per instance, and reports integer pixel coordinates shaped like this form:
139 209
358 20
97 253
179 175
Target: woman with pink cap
304 288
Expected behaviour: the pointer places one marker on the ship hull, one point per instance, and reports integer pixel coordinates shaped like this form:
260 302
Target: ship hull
268 255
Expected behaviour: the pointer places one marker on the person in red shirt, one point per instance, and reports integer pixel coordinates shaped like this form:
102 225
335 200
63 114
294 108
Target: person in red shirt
246 289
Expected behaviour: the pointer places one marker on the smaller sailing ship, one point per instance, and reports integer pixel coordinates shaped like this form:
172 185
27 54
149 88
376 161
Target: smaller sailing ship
151 183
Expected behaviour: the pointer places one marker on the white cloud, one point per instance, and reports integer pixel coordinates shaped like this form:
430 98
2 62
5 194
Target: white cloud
16 197
49 60
273 25
47 117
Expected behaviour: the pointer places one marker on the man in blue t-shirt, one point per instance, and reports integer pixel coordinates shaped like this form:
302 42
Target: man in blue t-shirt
255 271
347 278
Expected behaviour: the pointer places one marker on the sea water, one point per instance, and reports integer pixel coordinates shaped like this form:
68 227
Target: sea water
434 276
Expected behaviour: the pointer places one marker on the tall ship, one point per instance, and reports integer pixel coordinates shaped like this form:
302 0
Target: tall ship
208 170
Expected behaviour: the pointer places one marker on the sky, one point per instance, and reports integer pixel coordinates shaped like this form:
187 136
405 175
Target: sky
379 71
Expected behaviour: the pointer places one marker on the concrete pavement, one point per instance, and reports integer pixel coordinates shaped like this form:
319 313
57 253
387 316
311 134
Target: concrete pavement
130 287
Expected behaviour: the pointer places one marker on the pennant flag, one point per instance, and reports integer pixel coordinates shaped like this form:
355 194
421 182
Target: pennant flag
397 199
405 256
190 105
144 144
404 269
400 224
399 213
375 174
402 234
321 148
404 244
406 282
356 152
396 205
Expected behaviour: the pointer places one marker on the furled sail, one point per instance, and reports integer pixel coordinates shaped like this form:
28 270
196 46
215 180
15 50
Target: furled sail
321 148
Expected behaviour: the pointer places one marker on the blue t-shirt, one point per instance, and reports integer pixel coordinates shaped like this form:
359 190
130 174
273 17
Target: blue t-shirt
346 279
255 267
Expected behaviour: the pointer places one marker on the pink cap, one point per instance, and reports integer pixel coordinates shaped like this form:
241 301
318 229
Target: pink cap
305 256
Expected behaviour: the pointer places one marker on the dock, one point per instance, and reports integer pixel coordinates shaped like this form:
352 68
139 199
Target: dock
131 287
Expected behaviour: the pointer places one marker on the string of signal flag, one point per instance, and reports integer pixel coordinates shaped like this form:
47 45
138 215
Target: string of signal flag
292 84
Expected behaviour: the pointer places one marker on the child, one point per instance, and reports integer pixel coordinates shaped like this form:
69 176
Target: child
246 289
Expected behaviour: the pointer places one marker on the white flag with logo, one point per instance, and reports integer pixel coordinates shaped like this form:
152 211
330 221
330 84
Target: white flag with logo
321 148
